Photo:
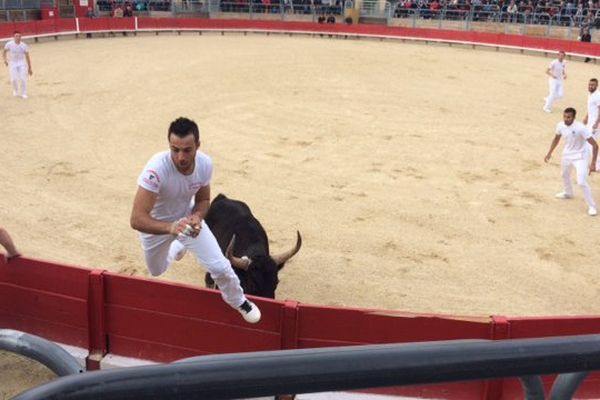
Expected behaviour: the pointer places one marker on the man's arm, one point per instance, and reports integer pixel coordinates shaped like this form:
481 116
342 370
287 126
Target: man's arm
552 147
29 70
597 122
4 56
8 244
202 203
594 153
142 221
549 73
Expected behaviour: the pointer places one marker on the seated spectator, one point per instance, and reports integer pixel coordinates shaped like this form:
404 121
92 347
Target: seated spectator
330 19
118 13
128 12
435 8
90 13
512 11
321 19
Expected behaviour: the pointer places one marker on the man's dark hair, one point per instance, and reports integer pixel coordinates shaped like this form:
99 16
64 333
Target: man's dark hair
594 80
570 110
15 32
182 127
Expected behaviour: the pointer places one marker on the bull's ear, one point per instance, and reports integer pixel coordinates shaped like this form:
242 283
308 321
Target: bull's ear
280 259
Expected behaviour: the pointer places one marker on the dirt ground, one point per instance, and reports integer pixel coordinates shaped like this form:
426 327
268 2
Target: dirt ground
414 172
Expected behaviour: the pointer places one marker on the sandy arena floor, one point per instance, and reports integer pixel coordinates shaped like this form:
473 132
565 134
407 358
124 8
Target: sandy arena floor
415 173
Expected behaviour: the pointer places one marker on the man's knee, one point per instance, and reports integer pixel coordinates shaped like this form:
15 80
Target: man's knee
219 268
157 269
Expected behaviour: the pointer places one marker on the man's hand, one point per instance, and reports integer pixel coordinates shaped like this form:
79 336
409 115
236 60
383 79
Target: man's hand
30 71
547 158
6 63
196 223
592 168
178 227
10 256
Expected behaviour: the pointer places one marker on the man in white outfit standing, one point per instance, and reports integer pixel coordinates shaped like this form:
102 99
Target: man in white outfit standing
168 225
592 118
575 154
556 72
19 64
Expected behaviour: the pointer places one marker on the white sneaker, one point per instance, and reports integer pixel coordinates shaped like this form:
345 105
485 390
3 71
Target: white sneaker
250 312
24 96
592 212
563 195
15 93
547 110
179 255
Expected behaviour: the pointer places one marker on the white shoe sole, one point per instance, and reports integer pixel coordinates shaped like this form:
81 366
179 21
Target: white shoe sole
253 316
180 254
563 196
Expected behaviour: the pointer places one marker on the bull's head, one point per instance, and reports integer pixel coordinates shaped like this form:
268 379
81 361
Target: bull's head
258 275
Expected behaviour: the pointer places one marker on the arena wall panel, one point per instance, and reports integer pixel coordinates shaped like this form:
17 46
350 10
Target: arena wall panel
161 321
500 40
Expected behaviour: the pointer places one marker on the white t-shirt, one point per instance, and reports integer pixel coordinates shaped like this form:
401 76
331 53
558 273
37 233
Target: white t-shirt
557 68
592 108
575 137
175 190
16 52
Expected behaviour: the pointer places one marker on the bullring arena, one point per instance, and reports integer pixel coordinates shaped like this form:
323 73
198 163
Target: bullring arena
414 172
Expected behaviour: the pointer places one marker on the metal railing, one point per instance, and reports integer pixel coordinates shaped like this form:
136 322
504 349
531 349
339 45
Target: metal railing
20 4
277 9
537 23
233 376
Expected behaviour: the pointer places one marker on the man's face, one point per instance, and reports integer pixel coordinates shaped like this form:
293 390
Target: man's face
568 118
592 86
17 38
183 152
561 55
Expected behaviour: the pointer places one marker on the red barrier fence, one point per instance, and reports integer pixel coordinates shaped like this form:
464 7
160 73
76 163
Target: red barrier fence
161 321
86 25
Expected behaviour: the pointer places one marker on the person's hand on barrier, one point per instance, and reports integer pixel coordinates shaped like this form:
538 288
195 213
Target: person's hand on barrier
12 256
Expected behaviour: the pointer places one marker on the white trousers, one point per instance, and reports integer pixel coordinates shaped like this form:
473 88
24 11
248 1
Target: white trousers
18 78
582 170
556 91
207 252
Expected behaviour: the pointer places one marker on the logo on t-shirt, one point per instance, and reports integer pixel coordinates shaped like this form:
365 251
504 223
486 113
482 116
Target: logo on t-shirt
151 178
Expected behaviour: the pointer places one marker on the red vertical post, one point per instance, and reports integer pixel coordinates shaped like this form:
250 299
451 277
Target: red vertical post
97 344
289 325
499 330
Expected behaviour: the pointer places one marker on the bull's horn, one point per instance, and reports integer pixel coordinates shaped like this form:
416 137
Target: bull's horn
236 262
283 257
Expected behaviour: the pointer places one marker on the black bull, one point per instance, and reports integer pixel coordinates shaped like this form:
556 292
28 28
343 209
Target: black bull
244 242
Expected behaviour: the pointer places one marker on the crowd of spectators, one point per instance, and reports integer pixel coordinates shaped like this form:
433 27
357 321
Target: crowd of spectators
126 8
582 13
319 7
